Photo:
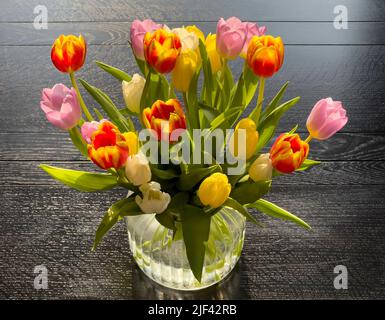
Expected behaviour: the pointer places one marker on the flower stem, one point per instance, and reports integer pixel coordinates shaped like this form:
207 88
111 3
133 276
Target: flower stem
80 99
261 92
308 139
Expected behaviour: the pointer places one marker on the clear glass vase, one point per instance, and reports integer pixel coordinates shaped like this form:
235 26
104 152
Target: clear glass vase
164 260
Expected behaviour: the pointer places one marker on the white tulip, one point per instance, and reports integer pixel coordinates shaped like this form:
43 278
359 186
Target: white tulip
188 39
132 92
154 200
137 169
261 169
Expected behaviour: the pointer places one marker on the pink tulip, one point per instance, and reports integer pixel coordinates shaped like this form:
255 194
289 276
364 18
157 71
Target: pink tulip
231 37
326 118
88 128
252 30
137 32
61 106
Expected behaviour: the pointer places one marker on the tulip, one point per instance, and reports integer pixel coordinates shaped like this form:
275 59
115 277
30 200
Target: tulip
154 200
211 48
186 66
214 190
164 117
252 30
189 39
326 118
132 92
68 53
231 36
288 152
137 169
261 169
108 148
132 142
161 48
265 55
198 32
137 31
88 129
61 106
251 135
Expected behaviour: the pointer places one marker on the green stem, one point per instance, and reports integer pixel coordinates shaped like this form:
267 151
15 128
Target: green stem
261 92
189 115
80 99
308 139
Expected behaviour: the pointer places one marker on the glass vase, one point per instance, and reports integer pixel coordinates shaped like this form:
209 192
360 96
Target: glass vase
164 259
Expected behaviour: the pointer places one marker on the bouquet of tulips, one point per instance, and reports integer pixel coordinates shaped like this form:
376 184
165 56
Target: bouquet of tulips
185 97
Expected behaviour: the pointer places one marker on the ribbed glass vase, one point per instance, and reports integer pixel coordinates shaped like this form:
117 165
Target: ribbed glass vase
164 260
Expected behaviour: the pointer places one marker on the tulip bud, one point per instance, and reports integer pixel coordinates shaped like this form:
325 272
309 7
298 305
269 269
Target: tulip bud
137 31
68 53
252 30
137 169
265 55
326 118
132 142
261 169
231 36
61 106
185 68
211 48
214 190
188 39
154 200
132 92
288 152
251 135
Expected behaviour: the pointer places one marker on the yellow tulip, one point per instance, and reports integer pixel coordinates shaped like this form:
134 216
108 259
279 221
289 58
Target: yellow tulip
211 48
185 68
251 138
132 142
197 32
214 190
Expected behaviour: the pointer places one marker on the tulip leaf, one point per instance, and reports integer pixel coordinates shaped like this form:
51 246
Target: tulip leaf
273 210
78 141
275 102
222 119
208 75
120 209
251 84
166 219
191 176
98 114
115 72
234 204
164 174
307 164
196 231
250 191
206 115
108 106
268 125
82 180
239 97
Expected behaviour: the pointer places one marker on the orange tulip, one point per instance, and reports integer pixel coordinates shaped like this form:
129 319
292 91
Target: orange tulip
161 48
109 148
164 117
265 55
288 152
68 53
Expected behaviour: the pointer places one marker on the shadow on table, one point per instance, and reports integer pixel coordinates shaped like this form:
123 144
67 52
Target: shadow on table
144 288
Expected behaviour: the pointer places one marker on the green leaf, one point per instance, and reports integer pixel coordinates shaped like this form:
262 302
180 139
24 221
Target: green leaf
206 115
196 230
251 83
208 76
239 97
78 141
294 129
192 176
115 72
231 203
307 164
156 87
108 106
250 191
267 127
166 174
166 219
82 180
120 209
98 114
222 119
275 102
273 210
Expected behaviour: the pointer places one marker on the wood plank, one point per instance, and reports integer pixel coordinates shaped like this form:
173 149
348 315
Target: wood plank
199 10
353 74
42 225
118 33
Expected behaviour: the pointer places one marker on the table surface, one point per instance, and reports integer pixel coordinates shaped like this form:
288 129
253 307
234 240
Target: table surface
45 223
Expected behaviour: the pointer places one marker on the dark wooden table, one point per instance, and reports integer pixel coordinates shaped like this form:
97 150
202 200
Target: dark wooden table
44 223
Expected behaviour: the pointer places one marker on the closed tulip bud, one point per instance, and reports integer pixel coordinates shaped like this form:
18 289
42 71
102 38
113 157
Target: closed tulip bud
252 30
185 68
211 48
214 190
261 169
61 106
251 135
164 118
137 31
326 118
189 39
68 53
288 152
231 36
137 169
132 92
161 49
154 200
265 55
198 32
